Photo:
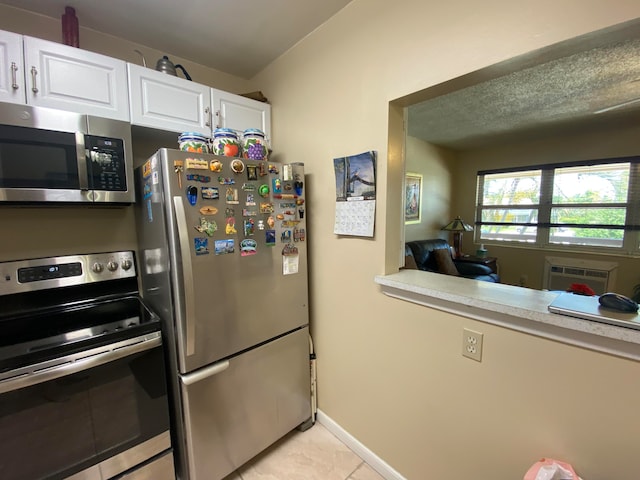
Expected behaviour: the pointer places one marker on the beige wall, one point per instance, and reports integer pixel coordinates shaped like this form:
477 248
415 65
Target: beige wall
390 372
436 165
613 141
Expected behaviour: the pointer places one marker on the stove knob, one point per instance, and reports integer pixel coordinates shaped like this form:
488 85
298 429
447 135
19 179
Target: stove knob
112 266
126 264
97 267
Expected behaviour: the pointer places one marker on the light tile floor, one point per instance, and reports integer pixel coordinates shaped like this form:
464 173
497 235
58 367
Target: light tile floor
312 455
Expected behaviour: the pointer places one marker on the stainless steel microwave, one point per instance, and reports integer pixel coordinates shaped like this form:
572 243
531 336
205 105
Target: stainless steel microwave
50 155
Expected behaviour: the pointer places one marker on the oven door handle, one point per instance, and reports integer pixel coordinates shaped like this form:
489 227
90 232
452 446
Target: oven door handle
78 362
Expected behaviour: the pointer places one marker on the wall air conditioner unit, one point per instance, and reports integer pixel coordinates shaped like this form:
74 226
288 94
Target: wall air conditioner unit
560 273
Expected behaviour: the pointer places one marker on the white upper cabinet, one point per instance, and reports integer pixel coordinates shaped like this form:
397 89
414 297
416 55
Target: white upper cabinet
166 102
11 69
59 76
48 74
239 113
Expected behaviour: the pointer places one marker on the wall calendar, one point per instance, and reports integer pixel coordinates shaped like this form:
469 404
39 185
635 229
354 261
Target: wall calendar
355 194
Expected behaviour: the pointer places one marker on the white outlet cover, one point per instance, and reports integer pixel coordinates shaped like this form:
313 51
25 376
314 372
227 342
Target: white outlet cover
472 344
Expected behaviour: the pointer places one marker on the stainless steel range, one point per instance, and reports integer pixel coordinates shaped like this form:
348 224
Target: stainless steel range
83 392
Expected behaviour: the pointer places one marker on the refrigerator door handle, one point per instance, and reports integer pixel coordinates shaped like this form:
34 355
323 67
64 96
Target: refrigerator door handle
203 373
189 290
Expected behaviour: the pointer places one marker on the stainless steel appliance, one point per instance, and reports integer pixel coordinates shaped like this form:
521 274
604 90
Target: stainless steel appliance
223 262
83 391
49 155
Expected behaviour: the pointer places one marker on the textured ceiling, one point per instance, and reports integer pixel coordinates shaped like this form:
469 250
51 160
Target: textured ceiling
583 89
239 37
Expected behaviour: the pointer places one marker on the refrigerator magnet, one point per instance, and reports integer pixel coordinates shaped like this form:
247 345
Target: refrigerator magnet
194 177
192 194
230 228
201 246
287 172
248 247
290 260
222 247
277 185
249 226
207 227
232 196
209 193
266 207
226 181
270 237
146 190
196 164
208 211
178 168
285 237
237 166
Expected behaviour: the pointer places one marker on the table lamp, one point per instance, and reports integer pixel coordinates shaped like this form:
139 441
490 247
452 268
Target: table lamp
457 226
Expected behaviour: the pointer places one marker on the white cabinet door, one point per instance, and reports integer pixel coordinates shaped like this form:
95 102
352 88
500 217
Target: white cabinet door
59 76
239 113
11 69
170 103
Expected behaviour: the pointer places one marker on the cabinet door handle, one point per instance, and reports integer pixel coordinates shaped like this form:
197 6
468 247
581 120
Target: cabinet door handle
14 76
218 119
34 72
207 112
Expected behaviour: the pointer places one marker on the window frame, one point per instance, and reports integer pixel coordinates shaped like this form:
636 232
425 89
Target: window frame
631 239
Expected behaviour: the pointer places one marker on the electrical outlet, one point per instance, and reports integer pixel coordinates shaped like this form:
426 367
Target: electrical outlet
472 344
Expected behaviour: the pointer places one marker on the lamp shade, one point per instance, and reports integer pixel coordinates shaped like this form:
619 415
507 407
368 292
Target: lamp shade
458 225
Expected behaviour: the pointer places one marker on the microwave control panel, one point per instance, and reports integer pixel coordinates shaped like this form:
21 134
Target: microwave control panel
106 163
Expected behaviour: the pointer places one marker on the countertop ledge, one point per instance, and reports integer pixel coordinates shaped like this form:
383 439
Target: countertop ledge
517 308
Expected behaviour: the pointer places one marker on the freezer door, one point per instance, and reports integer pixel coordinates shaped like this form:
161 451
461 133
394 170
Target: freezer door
238 259
236 408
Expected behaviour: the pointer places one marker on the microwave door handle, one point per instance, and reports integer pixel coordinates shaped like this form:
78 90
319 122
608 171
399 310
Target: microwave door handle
82 155
187 276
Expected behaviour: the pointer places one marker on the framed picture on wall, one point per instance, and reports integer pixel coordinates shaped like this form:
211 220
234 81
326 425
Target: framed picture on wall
413 197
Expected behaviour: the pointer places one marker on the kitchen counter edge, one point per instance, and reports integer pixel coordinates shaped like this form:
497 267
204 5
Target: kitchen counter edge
509 306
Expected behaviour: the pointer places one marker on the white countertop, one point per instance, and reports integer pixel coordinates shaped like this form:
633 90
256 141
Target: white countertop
513 307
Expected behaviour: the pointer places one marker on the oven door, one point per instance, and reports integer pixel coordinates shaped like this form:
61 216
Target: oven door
92 415
42 156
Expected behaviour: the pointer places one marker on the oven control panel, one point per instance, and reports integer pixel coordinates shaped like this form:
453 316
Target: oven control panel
53 272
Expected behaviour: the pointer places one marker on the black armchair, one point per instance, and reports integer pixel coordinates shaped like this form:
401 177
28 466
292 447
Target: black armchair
423 254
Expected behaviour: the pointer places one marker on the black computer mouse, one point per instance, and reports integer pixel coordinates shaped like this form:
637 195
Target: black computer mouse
618 302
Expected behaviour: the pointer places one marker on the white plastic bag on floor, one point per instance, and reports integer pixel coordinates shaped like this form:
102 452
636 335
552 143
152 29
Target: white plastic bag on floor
550 469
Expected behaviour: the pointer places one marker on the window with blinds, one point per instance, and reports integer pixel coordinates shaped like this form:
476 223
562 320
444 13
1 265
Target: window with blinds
590 204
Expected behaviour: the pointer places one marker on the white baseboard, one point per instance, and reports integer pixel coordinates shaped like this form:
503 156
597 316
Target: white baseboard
358 448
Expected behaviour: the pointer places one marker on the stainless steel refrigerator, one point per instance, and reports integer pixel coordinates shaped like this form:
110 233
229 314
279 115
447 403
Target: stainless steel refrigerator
223 261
